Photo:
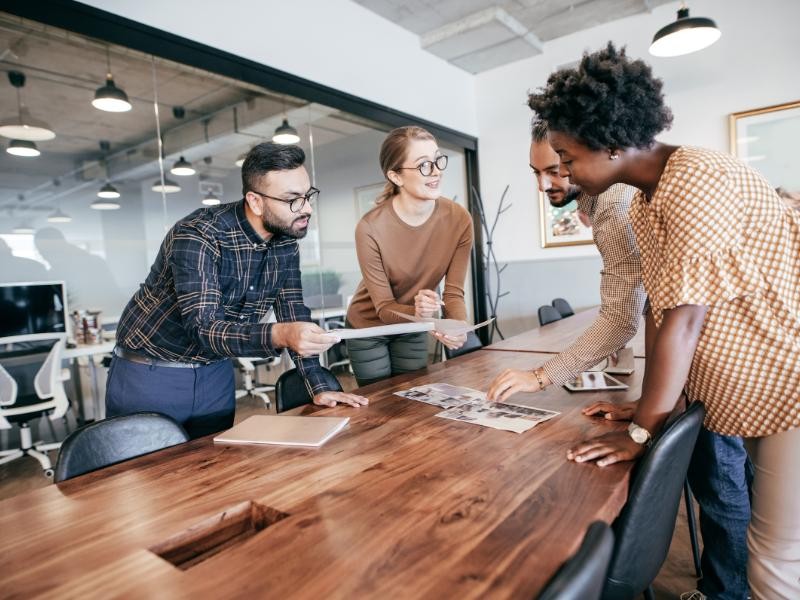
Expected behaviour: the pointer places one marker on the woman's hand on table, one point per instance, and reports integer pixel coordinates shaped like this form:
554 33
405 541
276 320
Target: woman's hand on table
606 449
621 411
334 398
511 381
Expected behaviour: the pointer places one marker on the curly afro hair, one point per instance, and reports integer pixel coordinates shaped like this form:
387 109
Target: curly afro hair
608 101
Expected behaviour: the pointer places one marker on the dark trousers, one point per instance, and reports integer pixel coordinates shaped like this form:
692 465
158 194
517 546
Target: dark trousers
377 358
201 399
720 475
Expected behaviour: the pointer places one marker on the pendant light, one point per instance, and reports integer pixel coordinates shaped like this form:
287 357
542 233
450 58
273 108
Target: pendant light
182 168
210 199
104 204
685 35
23 148
58 217
109 97
285 134
23 126
240 160
169 186
108 191
23 229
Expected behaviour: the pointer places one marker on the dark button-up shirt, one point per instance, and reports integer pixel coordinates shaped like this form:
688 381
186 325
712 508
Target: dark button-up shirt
209 290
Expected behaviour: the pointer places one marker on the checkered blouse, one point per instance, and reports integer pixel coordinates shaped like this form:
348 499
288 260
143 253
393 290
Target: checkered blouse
715 233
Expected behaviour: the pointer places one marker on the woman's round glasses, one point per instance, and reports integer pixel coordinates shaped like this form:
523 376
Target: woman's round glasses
425 168
298 202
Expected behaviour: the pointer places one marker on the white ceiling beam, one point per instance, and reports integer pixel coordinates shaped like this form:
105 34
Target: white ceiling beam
479 19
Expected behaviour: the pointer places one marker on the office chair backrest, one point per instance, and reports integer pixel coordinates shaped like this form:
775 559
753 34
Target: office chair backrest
643 530
48 383
548 314
8 388
582 576
563 307
291 391
473 343
114 440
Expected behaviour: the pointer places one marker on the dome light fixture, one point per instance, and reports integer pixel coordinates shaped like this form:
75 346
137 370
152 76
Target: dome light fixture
182 168
108 191
109 97
210 199
685 35
23 229
23 148
23 126
58 216
169 186
285 134
105 204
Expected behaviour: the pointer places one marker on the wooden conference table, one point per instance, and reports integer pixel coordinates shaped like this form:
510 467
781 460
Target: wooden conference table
400 504
555 337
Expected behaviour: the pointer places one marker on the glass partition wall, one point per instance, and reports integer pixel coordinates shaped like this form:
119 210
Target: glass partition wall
105 147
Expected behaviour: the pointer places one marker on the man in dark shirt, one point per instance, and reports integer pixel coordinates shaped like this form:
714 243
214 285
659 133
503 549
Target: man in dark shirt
217 274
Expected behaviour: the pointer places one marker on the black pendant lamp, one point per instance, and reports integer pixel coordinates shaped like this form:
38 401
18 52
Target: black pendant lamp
685 35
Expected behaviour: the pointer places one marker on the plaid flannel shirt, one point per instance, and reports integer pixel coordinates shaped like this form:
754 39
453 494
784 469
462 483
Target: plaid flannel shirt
209 290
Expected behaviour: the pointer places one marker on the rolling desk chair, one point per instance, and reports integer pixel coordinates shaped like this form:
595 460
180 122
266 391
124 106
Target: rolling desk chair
548 314
50 399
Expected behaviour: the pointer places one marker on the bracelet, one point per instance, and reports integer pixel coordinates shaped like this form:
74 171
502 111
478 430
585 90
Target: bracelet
539 379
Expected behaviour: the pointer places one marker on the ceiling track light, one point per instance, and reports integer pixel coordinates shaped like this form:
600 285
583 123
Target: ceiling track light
109 97
210 199
169 186
23 126
182 168
23 148
685 35
285 134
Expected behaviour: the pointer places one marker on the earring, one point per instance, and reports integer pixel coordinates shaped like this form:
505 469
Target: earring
613 156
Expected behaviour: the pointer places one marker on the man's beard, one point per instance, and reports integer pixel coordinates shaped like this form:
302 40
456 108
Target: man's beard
571 194
276 227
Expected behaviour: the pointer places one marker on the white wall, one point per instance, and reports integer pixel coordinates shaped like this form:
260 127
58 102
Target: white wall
337 43
754 64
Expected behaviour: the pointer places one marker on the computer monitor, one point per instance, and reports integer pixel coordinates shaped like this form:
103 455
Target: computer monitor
32 311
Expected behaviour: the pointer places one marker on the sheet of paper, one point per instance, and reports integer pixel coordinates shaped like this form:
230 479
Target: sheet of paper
449 327
470 406
379 330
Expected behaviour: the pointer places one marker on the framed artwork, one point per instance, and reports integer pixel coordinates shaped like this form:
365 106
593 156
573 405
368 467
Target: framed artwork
561 226
365 198
766 139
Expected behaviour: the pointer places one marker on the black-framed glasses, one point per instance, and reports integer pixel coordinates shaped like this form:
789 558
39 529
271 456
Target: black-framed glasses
425 168
297 203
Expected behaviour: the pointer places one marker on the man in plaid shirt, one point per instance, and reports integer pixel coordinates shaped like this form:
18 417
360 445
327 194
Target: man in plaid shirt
217 274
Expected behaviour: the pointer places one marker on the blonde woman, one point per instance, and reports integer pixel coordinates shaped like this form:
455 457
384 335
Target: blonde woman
406 245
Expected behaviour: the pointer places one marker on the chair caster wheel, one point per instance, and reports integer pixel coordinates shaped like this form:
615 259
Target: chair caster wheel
49 473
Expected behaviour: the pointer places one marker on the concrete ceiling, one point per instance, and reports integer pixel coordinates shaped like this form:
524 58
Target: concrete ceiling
222 118
478 35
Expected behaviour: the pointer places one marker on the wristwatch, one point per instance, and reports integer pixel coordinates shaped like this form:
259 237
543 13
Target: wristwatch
640 435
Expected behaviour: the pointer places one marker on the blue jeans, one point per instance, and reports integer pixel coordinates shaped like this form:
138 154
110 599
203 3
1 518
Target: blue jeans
201 400
720 475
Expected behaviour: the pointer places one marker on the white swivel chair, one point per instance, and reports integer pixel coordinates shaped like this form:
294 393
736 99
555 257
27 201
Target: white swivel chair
250 387
50 399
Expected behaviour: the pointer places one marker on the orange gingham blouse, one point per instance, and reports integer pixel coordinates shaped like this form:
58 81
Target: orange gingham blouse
715 233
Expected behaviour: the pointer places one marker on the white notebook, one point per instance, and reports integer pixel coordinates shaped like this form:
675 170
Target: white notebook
283 431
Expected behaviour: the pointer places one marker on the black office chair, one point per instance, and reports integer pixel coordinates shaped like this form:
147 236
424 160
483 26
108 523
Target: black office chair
291 391
582 577
563 307
114 440
473 343
548 314
643 530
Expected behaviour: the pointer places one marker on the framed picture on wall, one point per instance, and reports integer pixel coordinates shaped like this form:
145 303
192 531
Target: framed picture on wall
366 196
766 139
561 226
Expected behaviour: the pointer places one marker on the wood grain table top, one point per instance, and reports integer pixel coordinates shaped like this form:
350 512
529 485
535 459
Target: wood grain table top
400 504
556 337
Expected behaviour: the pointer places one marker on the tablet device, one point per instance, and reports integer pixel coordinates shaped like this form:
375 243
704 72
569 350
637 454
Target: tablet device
594 381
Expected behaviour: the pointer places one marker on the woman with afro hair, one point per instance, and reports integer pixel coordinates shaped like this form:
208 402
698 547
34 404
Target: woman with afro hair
721 267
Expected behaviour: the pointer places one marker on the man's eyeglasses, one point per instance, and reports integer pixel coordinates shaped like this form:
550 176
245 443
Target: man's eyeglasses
297 203
425 168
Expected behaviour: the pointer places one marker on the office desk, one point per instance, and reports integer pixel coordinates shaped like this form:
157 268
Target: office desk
555 337
90 351
399 504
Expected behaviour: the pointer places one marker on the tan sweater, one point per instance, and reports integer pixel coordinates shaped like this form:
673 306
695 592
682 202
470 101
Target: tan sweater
397 260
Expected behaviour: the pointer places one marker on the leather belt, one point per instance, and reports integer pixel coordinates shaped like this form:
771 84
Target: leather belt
155 362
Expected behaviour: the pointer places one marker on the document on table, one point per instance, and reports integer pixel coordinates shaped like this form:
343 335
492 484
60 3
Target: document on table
365 332
448 327
471 406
